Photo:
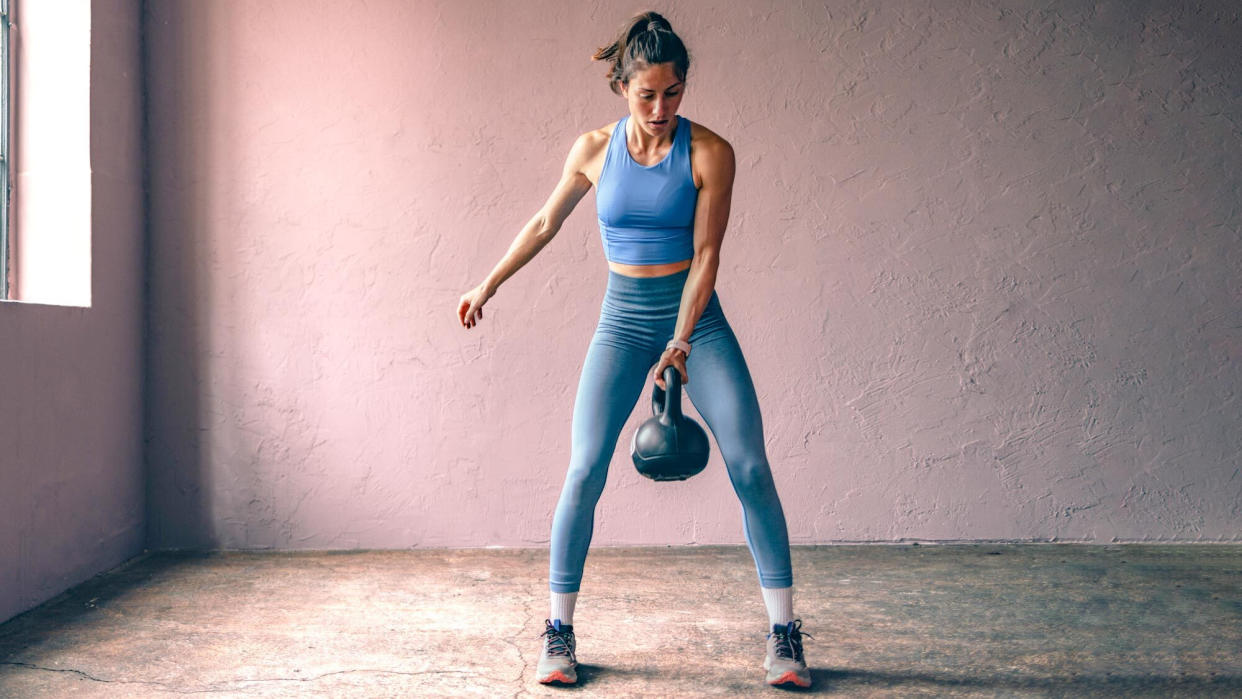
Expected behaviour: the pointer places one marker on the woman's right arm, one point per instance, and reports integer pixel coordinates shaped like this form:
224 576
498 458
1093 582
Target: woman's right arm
537 232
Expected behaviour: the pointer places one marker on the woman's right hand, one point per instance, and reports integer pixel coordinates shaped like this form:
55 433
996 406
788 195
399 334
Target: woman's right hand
470 309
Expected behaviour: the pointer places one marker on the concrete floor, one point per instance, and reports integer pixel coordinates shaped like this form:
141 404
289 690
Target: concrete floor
908 620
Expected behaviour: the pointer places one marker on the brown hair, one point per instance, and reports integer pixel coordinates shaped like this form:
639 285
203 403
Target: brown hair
645 40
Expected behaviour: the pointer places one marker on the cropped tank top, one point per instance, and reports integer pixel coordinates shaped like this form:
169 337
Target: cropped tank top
646 214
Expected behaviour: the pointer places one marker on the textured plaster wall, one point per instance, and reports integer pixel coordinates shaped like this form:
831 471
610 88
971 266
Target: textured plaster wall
983 261
71 471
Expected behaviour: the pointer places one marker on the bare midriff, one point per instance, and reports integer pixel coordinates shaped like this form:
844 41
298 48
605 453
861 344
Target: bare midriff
649 270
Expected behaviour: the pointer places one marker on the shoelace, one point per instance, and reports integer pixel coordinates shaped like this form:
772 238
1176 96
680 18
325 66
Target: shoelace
789 641
558 641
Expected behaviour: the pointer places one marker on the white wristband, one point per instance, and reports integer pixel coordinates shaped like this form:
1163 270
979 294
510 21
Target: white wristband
679 344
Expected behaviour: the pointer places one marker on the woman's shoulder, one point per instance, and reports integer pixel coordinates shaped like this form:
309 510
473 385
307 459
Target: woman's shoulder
706 139
708 149
591 142
587 154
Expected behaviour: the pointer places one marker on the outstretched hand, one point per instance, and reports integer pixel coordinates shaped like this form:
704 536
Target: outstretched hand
675 358
470 308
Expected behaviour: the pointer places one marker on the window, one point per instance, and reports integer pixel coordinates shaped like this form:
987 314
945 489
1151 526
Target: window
45 165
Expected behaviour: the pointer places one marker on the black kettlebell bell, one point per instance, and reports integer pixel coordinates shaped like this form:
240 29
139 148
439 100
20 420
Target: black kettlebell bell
669 446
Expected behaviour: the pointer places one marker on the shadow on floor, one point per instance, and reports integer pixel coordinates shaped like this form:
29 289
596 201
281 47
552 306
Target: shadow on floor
44 624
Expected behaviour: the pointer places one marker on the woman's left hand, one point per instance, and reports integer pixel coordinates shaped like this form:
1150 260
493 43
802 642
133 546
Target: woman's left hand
671 357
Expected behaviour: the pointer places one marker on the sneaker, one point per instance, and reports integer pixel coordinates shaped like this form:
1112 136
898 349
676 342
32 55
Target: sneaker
557 662
784 663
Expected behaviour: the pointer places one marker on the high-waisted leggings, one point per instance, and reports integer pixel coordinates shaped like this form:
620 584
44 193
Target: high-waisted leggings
637 319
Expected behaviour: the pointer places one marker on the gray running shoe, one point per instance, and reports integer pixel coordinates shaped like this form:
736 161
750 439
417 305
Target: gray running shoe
784 663
557 662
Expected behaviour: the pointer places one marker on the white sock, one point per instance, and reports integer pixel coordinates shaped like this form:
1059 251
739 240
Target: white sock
562 607
779 601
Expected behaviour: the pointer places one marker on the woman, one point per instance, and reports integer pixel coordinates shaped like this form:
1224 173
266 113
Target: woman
664 186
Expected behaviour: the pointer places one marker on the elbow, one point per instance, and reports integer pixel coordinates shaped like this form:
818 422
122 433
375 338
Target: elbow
545 229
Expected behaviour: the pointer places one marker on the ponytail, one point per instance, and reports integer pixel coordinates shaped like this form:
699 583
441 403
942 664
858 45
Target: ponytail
645 40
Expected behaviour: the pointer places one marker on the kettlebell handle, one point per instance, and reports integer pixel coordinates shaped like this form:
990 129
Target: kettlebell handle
666 405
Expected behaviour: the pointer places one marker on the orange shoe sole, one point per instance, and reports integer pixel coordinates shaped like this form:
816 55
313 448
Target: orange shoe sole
790 677
557 676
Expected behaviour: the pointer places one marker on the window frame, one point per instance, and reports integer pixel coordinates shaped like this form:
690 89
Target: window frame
6 160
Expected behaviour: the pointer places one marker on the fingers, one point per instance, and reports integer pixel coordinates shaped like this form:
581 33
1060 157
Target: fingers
469 310
659 372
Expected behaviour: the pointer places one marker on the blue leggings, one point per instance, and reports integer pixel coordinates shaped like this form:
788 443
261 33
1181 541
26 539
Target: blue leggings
636 320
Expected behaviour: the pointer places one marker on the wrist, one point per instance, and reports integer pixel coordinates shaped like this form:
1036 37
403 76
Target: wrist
679 346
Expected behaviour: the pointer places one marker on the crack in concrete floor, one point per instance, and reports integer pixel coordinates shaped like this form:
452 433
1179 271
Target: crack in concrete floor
217 688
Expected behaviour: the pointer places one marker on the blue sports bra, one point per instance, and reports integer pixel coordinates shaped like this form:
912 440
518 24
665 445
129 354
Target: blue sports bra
646 214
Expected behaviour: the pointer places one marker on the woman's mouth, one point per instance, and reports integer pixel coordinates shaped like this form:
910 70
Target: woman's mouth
661 122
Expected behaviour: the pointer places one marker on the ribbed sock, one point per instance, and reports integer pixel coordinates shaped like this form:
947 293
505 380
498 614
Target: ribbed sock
779 601
562 607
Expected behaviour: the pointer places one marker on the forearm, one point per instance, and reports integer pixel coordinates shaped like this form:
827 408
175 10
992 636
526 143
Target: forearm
533 236
700 283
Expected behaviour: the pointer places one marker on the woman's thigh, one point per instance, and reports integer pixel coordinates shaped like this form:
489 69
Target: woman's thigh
724 394
613 375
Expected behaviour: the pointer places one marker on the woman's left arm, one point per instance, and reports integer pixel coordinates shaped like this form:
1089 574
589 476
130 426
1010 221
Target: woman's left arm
711 217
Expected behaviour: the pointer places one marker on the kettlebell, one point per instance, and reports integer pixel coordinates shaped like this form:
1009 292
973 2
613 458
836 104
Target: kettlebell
669 446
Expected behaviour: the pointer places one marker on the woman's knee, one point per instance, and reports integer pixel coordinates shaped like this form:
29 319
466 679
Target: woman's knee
751 477
587 474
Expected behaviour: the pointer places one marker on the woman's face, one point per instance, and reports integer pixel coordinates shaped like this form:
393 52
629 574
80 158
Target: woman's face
654 94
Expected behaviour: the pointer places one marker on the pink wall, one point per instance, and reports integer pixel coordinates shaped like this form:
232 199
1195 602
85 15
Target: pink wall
71 461
983 262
